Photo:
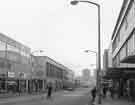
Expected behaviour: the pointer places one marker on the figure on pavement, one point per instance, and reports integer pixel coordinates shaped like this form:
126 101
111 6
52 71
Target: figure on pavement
93 94
49 90
104 91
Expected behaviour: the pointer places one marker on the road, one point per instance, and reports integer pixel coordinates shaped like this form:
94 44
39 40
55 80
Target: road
77 97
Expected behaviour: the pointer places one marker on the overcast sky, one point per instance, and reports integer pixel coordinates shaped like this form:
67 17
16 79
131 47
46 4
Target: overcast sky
63 31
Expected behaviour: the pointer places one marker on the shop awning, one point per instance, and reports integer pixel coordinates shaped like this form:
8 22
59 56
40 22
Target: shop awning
113 73
116 73
129 59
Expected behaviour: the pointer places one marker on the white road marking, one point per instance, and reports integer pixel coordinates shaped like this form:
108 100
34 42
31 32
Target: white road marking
73 95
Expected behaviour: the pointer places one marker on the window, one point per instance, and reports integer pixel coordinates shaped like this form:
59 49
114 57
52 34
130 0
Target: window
130 44
123 52
2 49
114 45
122 31
134 7
126 24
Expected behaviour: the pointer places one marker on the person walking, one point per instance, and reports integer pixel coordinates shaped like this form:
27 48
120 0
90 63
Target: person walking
93 94
104 91
112 91
49 90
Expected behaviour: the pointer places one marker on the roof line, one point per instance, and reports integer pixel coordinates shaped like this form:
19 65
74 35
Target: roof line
119 17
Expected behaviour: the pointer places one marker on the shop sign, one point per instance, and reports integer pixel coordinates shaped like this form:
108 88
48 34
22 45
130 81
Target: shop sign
11 74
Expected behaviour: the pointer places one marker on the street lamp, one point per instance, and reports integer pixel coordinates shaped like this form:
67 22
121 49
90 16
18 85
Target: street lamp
74 2
31 61
87 51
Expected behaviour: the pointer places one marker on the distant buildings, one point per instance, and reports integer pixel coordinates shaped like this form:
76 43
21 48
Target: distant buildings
105 59
20 71
86 74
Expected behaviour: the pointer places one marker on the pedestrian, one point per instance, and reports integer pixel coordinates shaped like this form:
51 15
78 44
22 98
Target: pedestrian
112 91
49 90
93 94
104 91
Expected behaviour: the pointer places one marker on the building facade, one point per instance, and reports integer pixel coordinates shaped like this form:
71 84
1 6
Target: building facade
20 71
48 70
123 38
110 55
86 74
14 65
105 59
123 45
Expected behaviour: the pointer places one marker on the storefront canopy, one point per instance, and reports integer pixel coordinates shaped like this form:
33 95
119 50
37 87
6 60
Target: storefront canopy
129 59
117 73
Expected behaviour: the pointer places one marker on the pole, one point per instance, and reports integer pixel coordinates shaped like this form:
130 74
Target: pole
6 87
31 75
99 58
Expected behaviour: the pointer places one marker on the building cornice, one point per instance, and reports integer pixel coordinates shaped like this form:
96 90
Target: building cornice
120 17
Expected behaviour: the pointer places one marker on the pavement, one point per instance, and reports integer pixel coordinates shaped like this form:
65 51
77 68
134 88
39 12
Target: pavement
77 97
13 95
115 101
10 98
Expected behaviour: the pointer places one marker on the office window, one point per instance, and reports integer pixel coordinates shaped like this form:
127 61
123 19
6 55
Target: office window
126 23
11 55
2 49
122 31
10 48
114 45
134 7
130 13
130 45
123 52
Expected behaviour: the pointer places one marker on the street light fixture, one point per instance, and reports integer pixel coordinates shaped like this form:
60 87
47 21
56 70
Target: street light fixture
87 51
75 2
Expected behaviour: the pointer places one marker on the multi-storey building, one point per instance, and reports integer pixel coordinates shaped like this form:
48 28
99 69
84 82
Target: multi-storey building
48 70
14 64
123 38
110 56
123 42
20 71
86 74
105 59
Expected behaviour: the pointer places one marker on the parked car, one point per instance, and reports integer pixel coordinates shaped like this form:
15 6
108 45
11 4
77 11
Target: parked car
70 89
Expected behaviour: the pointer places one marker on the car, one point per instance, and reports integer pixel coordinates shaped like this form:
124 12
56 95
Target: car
70 89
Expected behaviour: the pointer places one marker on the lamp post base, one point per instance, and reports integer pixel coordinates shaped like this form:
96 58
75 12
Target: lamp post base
99 100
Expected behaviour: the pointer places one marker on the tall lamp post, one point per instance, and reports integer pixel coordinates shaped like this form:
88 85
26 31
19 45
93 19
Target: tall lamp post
74 2
87 51
32 66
